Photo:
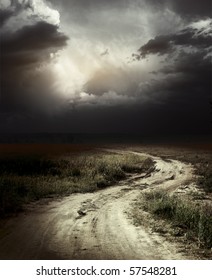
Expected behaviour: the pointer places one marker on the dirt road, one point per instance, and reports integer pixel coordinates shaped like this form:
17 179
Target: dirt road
94 225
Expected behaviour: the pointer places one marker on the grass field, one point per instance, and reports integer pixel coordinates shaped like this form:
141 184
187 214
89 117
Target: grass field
31 172
24 178
190 215
192 218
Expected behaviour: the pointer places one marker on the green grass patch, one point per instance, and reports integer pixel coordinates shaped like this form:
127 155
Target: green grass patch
195 219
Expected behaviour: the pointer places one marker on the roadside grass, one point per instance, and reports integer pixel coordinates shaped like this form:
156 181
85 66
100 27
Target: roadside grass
193 219
202 163
25 179
205 179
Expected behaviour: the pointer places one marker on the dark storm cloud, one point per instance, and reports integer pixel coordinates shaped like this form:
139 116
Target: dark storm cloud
182 86
38 37
176 99
185 63
4 16
186 8
23 52
14 9
163 44
159 45
186 80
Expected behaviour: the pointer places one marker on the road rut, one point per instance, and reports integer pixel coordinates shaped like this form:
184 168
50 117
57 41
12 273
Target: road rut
94 225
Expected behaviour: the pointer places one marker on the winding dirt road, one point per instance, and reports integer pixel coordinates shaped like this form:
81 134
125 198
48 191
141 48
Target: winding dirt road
94 225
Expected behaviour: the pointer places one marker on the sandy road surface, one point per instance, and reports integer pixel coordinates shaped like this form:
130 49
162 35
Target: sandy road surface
94 225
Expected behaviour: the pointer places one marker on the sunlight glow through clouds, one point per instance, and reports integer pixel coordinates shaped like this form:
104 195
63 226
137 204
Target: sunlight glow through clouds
80 63
68 78
73 67
99 60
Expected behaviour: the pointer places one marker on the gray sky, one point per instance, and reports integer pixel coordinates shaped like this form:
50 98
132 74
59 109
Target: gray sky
99 66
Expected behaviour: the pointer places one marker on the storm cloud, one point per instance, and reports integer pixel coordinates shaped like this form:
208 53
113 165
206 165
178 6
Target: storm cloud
183 82
189 9
190 37
101 66
24 52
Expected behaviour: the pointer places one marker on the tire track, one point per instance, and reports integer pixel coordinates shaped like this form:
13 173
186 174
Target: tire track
95 225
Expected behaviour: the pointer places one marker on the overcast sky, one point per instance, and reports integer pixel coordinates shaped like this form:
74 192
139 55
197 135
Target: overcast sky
140 66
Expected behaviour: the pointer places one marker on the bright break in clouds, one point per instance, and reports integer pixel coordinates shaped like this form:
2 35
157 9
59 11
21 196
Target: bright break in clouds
101 66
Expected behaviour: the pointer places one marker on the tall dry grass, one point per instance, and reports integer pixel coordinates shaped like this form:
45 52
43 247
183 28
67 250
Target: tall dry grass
23 179
195 219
